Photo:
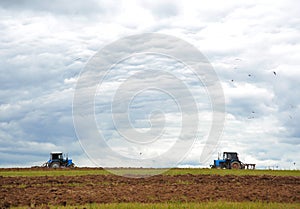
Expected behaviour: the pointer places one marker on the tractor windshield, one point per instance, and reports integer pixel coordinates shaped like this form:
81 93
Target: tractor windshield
56 156
230 156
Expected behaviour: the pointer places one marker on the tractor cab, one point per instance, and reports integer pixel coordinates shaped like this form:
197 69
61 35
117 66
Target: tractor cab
232 156
56 156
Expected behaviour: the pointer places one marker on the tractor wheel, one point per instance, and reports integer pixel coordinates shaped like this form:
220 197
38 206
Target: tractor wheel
55 165
235 165
72 165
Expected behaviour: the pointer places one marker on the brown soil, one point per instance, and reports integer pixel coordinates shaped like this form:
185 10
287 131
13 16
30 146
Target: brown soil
70 190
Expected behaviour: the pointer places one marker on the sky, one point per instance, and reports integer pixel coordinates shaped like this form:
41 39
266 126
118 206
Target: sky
46 48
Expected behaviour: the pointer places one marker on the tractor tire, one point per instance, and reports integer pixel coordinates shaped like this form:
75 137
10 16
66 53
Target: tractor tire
71 166
235 165
55 165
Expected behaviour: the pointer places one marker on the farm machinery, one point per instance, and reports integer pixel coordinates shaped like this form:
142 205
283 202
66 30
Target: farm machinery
231 161
58 161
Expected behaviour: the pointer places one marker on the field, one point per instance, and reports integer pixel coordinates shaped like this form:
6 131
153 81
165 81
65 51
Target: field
176 188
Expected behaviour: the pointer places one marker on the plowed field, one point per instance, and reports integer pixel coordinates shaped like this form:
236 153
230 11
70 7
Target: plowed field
78 190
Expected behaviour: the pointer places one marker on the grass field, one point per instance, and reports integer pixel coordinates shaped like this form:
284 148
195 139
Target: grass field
173 171
203 205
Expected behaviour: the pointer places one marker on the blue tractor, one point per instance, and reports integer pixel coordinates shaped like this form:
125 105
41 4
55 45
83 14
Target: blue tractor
57 161
230 161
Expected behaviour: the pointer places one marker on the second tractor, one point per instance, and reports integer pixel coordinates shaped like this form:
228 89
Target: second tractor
231 161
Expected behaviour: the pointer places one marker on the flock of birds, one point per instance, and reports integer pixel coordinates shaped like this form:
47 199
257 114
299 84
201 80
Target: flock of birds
250 75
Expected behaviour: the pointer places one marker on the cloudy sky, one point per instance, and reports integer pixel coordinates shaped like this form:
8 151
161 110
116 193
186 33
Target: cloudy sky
254 48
